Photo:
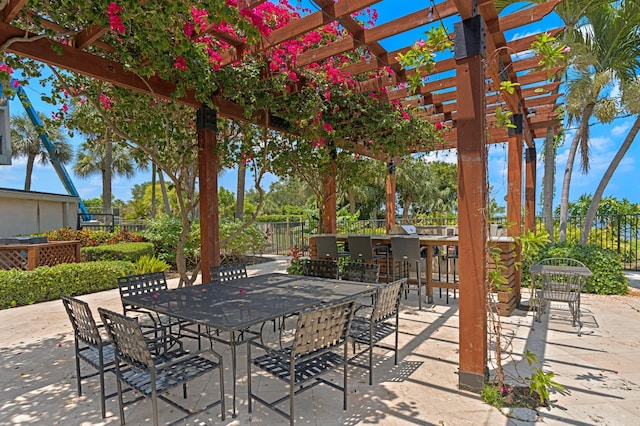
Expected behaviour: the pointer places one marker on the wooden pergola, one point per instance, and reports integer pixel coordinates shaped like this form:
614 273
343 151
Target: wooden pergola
461 92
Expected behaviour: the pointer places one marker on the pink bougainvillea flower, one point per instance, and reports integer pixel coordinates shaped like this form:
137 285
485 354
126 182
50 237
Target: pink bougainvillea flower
115 21
105 101
204 290
16 83
439 125
318 143
327 127
65 108
405 115
242 290
188 29
566 49
154 296
6 68
179 63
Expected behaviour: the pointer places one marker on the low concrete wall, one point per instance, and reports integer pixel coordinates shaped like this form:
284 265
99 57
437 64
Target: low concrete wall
23 212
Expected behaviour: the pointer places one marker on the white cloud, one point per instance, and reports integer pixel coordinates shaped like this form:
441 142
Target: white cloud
621 129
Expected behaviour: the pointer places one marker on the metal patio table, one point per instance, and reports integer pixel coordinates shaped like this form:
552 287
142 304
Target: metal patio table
235 306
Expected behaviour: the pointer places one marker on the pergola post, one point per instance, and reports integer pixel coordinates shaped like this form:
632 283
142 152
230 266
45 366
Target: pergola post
206 124
390 203
514 192
530 190
329 224
472 201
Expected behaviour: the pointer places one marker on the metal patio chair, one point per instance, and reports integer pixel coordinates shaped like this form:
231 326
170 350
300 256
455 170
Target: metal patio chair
362 272
318 347
90 347
320 268
558 280
379 322
150 321
153 375
228 272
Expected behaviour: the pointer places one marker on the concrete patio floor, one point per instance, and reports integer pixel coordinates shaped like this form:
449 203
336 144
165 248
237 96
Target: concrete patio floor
600 370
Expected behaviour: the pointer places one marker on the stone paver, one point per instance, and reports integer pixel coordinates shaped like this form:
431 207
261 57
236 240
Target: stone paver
599 370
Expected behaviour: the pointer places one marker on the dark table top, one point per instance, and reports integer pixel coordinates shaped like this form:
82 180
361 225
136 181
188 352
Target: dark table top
239 304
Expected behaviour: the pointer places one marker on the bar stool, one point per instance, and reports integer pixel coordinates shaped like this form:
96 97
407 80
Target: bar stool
327 248
362 249
407 252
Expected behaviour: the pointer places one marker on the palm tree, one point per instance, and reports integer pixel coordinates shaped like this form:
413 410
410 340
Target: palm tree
26 142
100 155
610 55
631 102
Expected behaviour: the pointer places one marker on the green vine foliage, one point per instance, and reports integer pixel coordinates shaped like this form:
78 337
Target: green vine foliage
318 107
421 56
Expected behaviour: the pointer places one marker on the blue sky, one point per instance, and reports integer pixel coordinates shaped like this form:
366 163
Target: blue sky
605 140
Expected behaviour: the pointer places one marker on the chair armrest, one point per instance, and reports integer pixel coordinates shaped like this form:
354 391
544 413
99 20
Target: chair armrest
187 356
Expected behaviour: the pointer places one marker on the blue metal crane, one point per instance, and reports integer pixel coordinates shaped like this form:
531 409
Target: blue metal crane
53 156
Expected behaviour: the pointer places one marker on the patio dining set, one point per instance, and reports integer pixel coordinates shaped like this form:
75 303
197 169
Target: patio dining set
166 338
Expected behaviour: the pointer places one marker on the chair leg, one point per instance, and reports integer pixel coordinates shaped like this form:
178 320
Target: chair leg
78 376
120 399
102 393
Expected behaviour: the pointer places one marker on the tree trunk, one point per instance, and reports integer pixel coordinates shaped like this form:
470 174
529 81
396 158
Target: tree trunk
153 190
405 209
548 182
27 179
165 196
597 196
352 201
107 168
242 177
566 182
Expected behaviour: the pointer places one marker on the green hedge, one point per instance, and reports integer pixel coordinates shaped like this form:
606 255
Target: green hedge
19 288
121 251
606 265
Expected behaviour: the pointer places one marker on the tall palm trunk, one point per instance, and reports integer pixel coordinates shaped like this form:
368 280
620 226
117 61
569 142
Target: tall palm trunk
597 196
31 159
566 182
549 182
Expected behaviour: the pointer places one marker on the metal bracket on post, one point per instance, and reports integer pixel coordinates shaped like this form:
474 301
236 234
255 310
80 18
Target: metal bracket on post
391 167
470 37
530 154
206 118
518 121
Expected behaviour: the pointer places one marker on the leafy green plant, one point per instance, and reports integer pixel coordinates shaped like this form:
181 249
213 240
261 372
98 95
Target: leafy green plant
508 86
491 393
606 265
540 382
18 288
147 264
250 240
421 56
295 267
164 232
503 119
121 251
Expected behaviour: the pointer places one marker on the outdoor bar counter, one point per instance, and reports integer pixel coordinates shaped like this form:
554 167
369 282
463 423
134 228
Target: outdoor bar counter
441 270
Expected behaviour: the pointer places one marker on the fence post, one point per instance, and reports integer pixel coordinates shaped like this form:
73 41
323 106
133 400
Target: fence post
288 235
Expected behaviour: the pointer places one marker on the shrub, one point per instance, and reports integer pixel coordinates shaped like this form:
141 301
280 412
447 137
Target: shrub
19 288
606 265
251 240
121 251
92 238
164 231
148 264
